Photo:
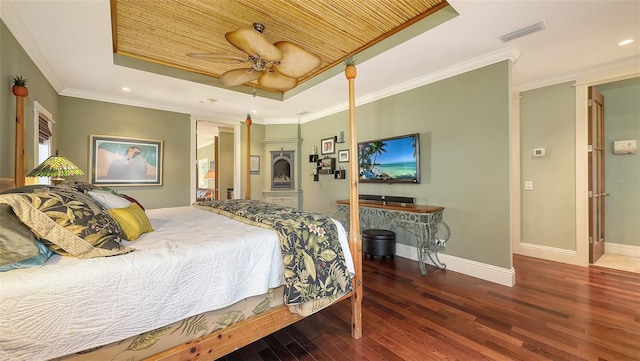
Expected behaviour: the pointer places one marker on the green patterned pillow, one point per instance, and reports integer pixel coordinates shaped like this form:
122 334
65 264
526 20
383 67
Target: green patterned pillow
69 223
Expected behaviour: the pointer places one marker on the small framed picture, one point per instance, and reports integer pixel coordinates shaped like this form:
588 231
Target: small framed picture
254 164
343 156
328 146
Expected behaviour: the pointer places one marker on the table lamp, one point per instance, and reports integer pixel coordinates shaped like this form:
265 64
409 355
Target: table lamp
56 167
209 176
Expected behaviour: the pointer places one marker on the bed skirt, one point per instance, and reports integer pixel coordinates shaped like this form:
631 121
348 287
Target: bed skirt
153 342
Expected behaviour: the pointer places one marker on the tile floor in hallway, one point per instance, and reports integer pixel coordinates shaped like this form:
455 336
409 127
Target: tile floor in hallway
623 263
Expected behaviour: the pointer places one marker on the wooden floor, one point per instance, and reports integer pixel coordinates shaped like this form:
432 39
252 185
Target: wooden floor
555 312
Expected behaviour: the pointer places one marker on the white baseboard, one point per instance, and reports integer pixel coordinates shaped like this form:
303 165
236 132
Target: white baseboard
487 272
550 253
622 249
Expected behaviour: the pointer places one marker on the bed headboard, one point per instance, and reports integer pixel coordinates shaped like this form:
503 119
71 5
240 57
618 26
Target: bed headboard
6 183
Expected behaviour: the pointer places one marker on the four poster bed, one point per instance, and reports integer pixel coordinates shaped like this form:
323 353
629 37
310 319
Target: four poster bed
195 283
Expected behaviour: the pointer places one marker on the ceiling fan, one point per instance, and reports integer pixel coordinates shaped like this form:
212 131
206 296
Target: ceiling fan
275 66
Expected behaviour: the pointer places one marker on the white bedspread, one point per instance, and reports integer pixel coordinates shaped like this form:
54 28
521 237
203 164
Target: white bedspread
192 262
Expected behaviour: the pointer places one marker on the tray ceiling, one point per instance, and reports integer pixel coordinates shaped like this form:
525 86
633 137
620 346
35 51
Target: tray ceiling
164 32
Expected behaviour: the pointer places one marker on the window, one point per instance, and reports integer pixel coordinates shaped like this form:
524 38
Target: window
43 134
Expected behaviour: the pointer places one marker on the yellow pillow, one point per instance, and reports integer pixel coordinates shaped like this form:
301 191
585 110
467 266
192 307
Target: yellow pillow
132 220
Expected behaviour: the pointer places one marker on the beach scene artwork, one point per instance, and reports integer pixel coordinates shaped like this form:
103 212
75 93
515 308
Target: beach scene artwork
390 160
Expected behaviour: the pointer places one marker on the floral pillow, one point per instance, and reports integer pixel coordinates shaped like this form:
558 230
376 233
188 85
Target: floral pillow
69 223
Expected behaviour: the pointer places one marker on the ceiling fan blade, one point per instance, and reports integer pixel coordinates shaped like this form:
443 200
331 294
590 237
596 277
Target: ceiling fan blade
239 76
253 43
218 58
295 61
274 80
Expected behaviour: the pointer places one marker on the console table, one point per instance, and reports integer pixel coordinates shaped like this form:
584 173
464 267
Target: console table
425 222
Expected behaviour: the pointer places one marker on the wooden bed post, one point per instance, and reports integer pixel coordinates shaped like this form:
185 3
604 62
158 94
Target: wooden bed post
247 187
355 239
20 92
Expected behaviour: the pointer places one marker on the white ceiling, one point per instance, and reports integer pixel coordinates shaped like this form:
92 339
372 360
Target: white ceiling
70 41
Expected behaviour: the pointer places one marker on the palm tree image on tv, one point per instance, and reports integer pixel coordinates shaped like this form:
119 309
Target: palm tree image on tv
389 159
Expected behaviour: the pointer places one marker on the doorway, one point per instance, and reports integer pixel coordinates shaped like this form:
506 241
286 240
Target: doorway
618 227
215 146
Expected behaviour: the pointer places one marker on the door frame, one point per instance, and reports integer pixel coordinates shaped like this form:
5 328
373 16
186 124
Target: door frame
236 152
582 160
596 158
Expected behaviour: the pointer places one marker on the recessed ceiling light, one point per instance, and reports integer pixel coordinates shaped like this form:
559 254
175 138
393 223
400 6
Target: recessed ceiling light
253 111
125 89
625 42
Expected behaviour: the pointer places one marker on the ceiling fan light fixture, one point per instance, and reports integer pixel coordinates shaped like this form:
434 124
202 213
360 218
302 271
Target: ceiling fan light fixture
259 27
275 66
273 79
239 76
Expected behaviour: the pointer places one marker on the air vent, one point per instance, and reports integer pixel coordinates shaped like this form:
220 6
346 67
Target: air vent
524 31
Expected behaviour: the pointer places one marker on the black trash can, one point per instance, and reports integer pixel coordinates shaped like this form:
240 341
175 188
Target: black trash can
378 242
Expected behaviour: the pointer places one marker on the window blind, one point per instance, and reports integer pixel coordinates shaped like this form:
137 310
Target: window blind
44 129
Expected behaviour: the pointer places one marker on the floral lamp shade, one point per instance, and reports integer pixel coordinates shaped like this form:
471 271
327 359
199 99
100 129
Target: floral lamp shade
56 167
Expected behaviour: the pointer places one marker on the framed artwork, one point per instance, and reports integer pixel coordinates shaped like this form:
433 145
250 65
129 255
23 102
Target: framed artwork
254 164
343 156
124 161
328 146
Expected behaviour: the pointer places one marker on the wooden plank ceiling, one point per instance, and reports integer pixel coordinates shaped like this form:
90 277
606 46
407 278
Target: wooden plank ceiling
164 31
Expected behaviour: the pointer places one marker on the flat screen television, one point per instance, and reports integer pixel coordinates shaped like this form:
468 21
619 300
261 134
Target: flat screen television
390 160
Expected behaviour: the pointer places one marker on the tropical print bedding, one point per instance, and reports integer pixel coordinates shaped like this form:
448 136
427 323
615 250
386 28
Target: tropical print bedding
155 341
314 262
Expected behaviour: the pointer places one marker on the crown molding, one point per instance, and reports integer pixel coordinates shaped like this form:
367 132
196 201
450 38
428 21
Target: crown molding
276 121
623 69
77 93
510 53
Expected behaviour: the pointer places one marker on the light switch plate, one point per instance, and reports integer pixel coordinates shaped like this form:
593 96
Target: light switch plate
528 185
538 152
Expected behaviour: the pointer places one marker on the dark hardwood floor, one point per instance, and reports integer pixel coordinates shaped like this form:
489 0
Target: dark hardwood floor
555 312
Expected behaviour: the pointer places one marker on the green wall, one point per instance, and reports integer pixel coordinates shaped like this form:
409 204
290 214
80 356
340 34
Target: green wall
257 148
14 61
548 211
622 172
78 118
463 123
